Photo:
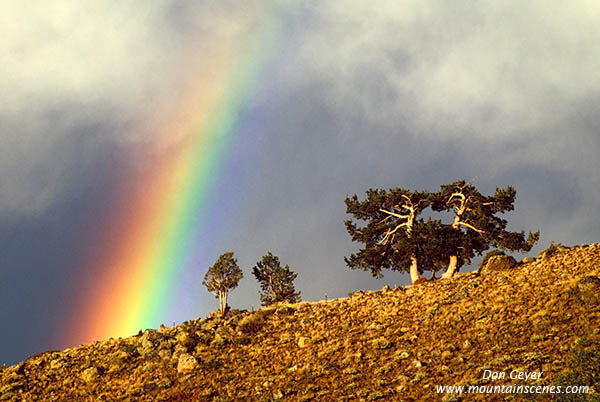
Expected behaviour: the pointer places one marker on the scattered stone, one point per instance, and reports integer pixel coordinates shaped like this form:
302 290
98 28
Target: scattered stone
381 343
90 374
303 341
186 363
346 349
57 364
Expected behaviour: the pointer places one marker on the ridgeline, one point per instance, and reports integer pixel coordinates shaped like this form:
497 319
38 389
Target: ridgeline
400 344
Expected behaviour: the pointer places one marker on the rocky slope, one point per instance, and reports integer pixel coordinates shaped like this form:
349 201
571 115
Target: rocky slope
394 344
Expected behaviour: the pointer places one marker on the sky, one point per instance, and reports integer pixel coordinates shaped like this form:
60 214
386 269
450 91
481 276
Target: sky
347 96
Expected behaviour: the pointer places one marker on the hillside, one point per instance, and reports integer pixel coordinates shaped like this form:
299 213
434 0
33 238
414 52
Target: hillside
394 344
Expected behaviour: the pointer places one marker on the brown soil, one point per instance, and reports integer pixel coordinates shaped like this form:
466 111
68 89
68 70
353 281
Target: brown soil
389 345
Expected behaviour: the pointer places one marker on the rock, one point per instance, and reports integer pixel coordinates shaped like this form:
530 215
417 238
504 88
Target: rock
186 363
56 364
90 374
498 263
381 343
149 341
589 284
401 355
303 341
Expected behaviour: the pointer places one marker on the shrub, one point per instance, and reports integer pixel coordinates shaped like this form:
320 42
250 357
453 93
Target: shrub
251 323
553 249
584 360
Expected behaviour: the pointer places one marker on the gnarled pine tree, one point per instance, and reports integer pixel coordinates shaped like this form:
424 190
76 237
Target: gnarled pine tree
222 277
276 282
476 226
389 237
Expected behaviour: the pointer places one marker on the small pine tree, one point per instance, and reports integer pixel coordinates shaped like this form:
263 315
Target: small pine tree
276 282
222 277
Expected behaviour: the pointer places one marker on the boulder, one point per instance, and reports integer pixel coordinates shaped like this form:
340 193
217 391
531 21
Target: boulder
303 341
90 374
498 263
186 363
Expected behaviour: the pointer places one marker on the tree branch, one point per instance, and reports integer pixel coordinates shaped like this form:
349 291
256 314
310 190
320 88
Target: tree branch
395 214
391 232
471 227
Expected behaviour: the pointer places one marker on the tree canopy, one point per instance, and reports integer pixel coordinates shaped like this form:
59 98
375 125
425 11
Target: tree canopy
392 235
222 277
395 238
276 282
476 221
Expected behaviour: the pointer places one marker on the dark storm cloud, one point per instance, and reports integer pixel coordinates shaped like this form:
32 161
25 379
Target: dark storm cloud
411 94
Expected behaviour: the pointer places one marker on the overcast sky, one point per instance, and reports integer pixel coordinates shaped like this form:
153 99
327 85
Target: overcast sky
357 95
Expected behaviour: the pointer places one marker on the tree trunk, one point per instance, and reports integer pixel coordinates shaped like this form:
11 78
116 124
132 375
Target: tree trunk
223 301
453 258
414 269
451 267
273 294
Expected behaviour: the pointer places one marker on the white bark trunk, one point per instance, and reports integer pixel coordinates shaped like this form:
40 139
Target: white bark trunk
414 270
453 258
222 301
451 267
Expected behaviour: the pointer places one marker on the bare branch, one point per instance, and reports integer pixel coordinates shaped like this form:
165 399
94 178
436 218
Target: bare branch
394 214
459 195
407 199
391 233
471 227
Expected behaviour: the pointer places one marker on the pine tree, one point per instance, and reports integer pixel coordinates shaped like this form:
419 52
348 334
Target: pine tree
276 282
476 226
389 238
222 277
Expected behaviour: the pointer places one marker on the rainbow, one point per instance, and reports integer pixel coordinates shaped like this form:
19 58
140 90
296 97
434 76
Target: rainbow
150 236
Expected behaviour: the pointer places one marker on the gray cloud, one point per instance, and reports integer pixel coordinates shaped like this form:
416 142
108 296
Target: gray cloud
405 93
68 65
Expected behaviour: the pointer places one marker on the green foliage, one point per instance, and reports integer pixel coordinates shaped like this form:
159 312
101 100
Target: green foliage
553 249
476 216
584 361
394 235
251 323
224 275
489 255
393 232
276 282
